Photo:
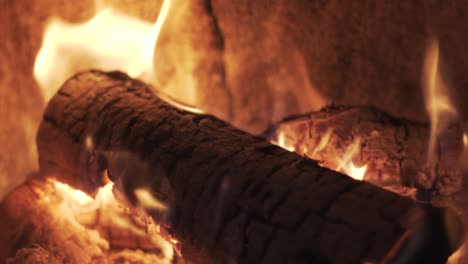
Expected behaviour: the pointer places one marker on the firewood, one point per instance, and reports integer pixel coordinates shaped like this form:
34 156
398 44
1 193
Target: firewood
394 150
221 194
34 255
39 226
29 219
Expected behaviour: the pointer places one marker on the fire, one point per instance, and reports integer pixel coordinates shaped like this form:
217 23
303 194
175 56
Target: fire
148 201
346 164
105 216
438 104
357 173
72 196
465 140
323 142
109 41
283 142
338 161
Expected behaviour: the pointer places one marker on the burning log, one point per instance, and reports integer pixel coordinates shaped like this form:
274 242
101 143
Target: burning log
27 220
41 224
393 150
220 194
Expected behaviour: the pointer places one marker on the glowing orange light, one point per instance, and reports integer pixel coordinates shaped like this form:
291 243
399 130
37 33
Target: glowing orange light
323 142
72 195
465 140
340 162
345 162
357 173
282 142
148 201
109 41
438 104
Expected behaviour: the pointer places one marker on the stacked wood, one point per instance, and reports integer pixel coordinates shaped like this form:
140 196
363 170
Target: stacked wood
229 196
394 150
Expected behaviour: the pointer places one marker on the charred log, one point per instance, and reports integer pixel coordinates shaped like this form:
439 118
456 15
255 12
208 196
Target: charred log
394 150
230 196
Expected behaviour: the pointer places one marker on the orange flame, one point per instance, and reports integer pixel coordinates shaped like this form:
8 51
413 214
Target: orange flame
465 140
346 164
148 201
356 173
323 142
339 162
108 41
72 196
438 105
283 142
83 211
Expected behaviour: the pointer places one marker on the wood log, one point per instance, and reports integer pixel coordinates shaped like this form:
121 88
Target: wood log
394 150
231 196
40 224
29 218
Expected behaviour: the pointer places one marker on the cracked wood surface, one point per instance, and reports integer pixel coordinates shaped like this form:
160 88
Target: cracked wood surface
233 197
395 150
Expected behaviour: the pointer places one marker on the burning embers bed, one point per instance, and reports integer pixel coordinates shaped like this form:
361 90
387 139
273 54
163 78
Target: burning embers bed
66 224
412 159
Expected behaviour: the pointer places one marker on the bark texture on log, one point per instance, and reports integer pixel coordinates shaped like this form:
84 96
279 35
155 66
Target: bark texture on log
395 150
231 196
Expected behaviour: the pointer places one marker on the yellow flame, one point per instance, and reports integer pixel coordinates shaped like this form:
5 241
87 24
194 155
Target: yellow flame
351 151
357 173
465 140
282 142
105 195
109 41
166 5
323 142
148 201
339 162
346 164
72 195
438 105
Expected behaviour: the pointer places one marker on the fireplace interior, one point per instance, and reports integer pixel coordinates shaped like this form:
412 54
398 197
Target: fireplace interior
209 131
